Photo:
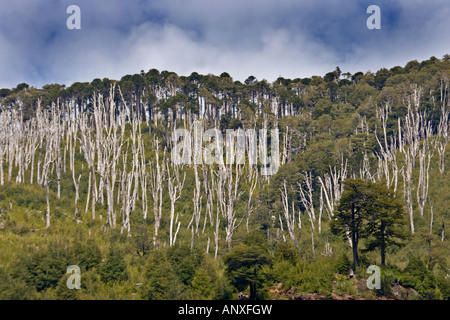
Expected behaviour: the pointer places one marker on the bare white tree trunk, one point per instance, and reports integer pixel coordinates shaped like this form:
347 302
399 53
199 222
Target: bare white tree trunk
407 187
156 176
425 156
253 180
443 128
332 187
307 199
197 201
143 175
289 216
431 217
47 224
174 186
209 185
216 233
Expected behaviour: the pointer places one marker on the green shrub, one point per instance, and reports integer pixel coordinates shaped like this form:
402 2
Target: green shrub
387 280
286 273
417 276
44 268
185 262
222 289
343 264
12 288
87 255
286 251
161 281
114 267
202 284
317 276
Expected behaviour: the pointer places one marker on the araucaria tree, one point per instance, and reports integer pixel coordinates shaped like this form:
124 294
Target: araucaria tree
385 219
369 210
349 215
244 262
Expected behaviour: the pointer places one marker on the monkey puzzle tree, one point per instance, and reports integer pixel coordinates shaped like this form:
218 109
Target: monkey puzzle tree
369 210
349 215
244 263
385 219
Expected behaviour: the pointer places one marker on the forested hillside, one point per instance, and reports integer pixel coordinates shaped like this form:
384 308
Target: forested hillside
87 178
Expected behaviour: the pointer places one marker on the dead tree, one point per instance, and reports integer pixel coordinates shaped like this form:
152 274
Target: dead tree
59 159
126 183
32 139
174 186
156 176
321 207
143 175
209 185
413 121
415 129
253 179
387 159
216 231
46 170
42 128
229 180
289 214
332 187
443 130
134 135
307 199
425 155
4 126
47 216
88 148
109 145
20 142
12 142
228 185
76 183
197 202
407 187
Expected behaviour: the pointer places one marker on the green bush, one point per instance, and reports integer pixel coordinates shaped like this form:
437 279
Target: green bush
222 289
161 281
87 256
443 284
202 284
64 293
286 273
387 280
114 267
286 251
12 288
243 266
45 268
317 276
417 276
343 264
185 262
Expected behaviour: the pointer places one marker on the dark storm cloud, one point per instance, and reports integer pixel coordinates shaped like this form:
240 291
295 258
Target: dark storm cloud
263 38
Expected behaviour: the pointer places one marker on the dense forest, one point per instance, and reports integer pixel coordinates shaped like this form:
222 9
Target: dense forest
87 178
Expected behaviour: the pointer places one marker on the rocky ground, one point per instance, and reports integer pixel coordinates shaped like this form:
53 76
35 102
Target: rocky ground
344 288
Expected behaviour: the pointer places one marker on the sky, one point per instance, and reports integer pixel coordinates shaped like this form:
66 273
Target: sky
263 38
